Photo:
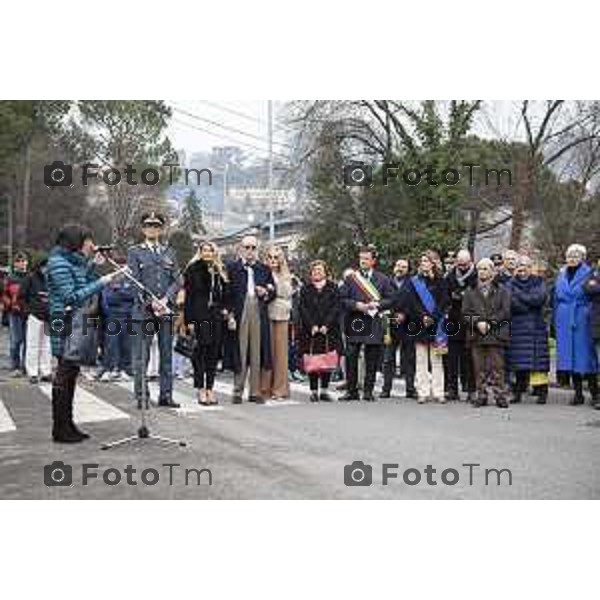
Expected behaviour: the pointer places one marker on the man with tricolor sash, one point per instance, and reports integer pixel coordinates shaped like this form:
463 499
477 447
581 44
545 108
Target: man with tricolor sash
366 296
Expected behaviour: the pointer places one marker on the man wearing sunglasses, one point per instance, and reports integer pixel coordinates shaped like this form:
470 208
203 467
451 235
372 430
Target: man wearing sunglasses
155 266
252 288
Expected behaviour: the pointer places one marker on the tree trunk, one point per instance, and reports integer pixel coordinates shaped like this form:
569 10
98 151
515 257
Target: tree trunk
523 193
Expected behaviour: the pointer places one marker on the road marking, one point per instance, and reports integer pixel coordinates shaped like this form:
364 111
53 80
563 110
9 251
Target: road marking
88 408
6 422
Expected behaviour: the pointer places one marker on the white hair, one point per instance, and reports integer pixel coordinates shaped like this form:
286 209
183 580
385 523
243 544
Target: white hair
524 260
463 254
486 262
577 249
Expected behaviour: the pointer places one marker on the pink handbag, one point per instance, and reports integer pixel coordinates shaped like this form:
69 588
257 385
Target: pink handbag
321 363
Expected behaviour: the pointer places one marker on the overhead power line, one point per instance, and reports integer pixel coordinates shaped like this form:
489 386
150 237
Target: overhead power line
229 139
226 127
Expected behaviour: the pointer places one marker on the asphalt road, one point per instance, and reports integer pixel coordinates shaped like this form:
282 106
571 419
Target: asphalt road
299 450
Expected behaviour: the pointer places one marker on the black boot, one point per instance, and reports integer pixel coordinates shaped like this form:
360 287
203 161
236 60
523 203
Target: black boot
61 430
542 394
593 385
71 424
314 396
578 398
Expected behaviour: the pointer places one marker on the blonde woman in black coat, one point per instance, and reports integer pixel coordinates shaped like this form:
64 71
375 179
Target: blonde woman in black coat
205 315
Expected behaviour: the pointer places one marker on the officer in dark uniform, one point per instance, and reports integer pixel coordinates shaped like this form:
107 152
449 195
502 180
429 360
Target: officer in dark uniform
155 266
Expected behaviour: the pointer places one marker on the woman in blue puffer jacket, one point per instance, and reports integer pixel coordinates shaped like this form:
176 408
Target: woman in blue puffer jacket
528 352
71 281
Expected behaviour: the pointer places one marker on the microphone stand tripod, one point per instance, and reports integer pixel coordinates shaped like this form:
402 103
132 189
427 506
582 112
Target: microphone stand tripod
143 432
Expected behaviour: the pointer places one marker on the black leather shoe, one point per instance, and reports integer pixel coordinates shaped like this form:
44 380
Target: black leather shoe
385 394
350 397
577 400
452 396
412 394
168 404
314 397
502 404
236 400
368 397
325 397
256 399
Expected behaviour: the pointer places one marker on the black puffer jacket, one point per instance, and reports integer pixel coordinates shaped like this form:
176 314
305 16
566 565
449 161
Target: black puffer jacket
592 289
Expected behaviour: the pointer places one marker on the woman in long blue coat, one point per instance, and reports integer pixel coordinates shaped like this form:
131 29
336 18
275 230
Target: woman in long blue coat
575 346
71 280
528 352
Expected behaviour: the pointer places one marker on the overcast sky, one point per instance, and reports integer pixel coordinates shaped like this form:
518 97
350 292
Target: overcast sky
198 125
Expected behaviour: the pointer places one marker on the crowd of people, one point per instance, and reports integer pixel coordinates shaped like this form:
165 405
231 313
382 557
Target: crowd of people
445 326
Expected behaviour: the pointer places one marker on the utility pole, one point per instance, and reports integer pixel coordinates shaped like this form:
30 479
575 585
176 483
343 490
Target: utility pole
270 172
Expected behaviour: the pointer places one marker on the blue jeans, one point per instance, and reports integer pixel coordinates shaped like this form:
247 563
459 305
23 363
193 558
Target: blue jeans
17 324
141 355
117 348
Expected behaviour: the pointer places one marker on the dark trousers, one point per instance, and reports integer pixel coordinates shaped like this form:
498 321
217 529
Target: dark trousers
204 362
488 369
17 324
144 330
117 346
63 392
315 378
372 360
407 363
460 366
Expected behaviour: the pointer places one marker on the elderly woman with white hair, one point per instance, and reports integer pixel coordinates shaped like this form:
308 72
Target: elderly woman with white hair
528 354
575 346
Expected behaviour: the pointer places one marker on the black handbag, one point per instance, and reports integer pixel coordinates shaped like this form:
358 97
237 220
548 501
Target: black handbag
81 340
185 345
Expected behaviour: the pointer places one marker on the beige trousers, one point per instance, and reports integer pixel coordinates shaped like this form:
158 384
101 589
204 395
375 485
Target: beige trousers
275 382
429 384
249 345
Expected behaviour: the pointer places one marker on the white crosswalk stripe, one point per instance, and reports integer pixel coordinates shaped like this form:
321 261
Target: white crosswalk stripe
6 422
88 408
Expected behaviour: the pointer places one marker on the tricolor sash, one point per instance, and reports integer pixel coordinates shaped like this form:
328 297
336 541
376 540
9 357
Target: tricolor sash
366 287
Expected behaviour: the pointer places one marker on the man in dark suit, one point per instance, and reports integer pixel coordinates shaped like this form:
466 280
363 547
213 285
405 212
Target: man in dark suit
252 287
365 295
462 277
403 312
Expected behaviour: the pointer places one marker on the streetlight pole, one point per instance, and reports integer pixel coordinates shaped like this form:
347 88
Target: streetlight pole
270 172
